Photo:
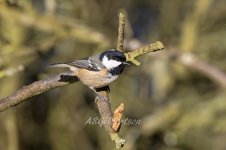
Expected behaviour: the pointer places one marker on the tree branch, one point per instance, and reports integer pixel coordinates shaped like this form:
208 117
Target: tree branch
33 89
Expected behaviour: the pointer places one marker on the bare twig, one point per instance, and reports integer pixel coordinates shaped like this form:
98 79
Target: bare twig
121 32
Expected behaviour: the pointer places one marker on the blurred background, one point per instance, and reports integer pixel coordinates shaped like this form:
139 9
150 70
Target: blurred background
181 104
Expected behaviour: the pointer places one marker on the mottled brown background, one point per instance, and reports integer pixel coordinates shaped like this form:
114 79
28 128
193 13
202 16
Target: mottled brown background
179 107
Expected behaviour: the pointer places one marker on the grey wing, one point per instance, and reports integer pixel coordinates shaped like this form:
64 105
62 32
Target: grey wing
90 63
80 63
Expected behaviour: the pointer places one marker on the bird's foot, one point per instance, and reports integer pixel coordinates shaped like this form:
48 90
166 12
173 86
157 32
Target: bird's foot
101 97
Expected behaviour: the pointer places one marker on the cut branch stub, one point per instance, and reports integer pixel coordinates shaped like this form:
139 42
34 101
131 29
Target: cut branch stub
117 116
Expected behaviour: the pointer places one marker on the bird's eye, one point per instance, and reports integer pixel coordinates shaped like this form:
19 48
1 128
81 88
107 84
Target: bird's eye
110 57
116 58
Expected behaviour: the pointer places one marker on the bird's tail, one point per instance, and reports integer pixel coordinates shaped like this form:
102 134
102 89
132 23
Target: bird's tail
68 76
63 65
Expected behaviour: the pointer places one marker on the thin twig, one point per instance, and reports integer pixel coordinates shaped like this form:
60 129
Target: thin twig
121 32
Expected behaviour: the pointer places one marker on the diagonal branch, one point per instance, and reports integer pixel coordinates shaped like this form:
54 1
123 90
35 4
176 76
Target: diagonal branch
34 89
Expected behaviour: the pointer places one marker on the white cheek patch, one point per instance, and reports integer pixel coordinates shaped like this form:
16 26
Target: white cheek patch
110 64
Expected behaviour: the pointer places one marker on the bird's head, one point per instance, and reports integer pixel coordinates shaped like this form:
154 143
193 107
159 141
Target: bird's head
112 59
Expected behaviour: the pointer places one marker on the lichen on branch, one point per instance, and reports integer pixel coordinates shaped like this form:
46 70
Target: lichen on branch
130 56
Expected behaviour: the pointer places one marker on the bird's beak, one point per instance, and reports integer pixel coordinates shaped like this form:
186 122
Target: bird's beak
126 63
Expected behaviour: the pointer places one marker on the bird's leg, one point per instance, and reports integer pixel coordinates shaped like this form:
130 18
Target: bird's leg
68 78
104 98
108 89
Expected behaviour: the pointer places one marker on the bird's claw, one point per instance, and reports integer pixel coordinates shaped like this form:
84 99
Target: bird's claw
103 98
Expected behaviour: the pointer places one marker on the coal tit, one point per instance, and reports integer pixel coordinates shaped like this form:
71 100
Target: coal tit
99 70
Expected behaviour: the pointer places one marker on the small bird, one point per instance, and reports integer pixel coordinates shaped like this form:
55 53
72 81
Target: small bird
99 70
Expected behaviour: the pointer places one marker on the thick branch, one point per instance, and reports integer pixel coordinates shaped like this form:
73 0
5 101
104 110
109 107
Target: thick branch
106 117
33 89
105 107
